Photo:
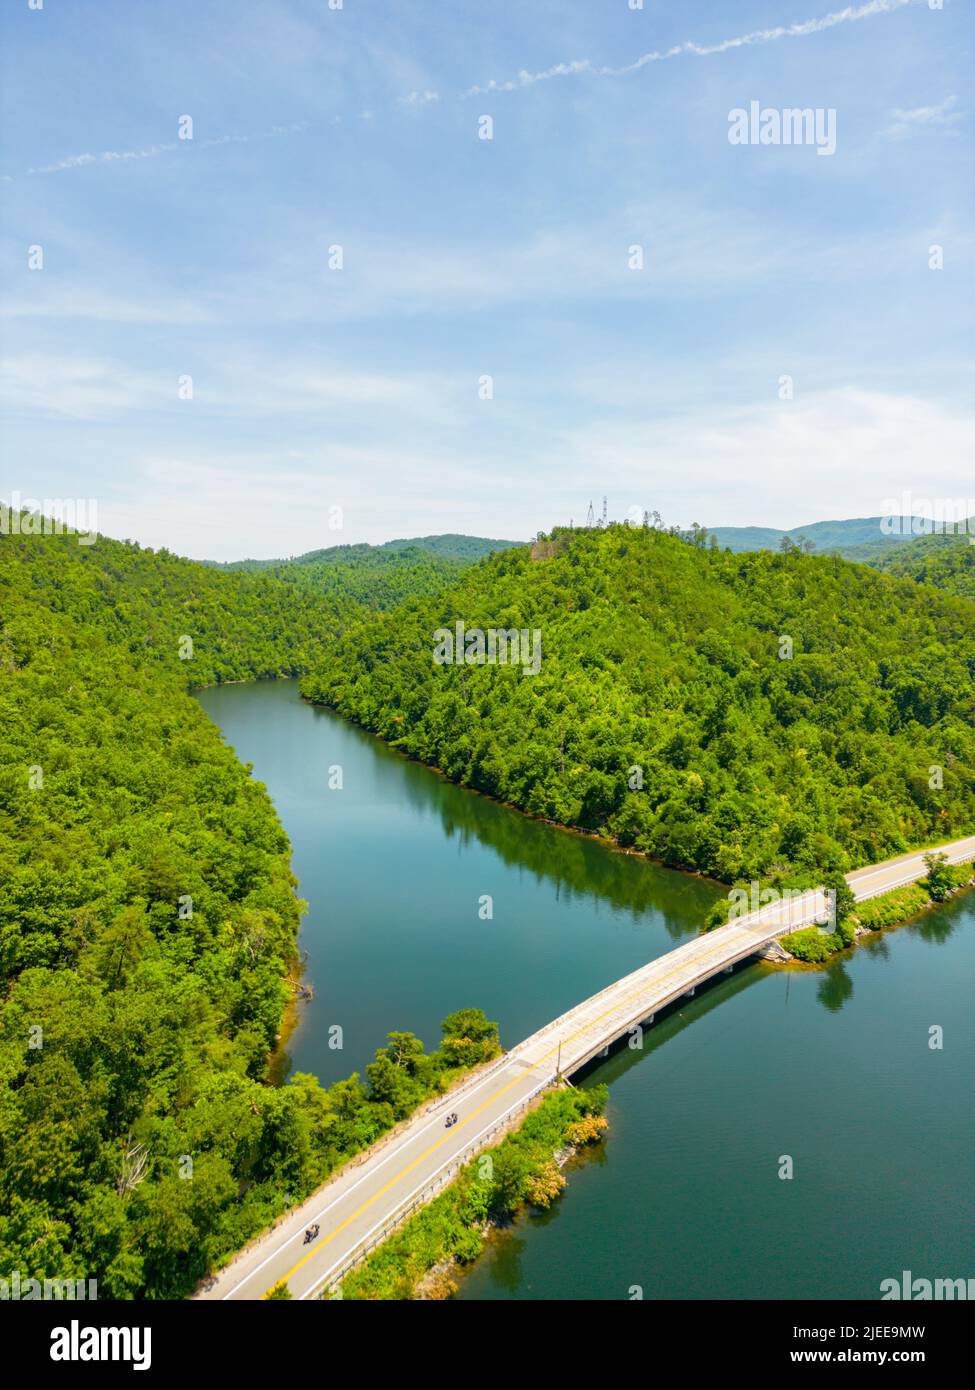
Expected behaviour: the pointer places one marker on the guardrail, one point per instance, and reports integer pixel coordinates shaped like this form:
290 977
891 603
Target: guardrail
420 1197
962 858
475 1079
615 1029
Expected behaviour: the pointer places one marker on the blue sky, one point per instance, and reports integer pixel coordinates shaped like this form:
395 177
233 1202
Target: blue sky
358 388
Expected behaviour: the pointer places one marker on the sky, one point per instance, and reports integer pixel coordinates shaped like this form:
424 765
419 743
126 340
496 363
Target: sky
326 309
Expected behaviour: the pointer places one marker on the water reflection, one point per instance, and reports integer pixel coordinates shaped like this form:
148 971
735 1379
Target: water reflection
394 867
684 1198
575 865
835 987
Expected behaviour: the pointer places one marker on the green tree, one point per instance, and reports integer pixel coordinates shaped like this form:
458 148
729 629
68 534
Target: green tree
509 1180
469 1038
939 880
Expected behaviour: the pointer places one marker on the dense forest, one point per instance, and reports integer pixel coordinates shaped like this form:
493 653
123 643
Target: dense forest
148 918
240 625
738 714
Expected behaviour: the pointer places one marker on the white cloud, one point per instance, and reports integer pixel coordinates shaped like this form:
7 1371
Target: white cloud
53 300
233 506
82 161
87 388
690 250
418 99
78 388
944 115
837 453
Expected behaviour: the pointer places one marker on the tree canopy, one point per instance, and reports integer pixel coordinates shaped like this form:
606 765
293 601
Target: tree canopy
148 920
725 712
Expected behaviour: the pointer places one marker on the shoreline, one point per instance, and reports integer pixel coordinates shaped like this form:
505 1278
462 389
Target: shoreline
609 841
775 955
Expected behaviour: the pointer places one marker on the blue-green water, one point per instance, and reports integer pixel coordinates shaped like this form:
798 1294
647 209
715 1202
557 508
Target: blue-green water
394 866
832 1069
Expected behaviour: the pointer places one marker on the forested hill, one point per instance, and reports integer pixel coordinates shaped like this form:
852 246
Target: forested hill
465 550
239 625
945 561
147 918
661 664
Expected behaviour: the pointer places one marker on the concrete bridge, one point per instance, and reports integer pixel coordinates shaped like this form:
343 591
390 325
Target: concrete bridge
372 1194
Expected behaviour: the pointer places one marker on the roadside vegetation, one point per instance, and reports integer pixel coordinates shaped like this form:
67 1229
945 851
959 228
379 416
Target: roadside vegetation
522 1171
887 910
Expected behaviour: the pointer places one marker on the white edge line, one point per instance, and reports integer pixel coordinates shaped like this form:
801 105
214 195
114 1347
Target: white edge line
342 1195
427 1182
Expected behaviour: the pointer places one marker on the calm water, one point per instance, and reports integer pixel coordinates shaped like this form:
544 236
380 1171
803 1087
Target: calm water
684 1200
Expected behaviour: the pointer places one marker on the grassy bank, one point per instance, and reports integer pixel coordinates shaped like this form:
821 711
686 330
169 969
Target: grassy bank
522 1170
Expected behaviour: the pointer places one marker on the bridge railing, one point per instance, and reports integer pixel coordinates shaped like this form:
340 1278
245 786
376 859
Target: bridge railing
958 857
475 1079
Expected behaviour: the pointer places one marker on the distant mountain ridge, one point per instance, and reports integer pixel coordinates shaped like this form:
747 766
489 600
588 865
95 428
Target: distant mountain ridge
450 546
859 538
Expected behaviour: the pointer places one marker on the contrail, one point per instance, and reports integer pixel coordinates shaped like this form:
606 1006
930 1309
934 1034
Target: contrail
81 161
697 50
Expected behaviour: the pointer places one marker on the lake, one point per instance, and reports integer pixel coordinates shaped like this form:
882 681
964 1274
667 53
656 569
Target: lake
829 1071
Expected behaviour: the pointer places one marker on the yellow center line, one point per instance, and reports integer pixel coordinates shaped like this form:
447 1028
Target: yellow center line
483 1106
